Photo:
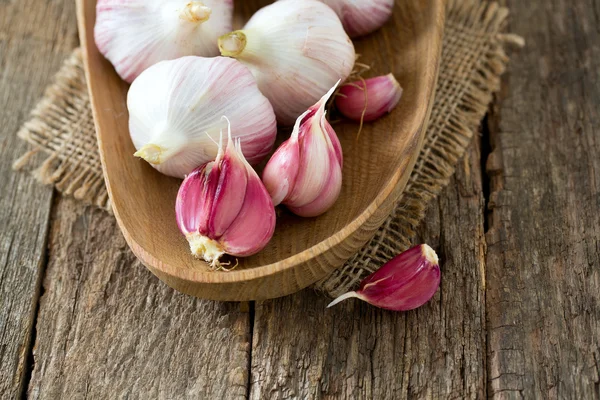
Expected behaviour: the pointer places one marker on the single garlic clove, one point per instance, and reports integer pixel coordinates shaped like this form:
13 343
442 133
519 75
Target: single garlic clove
288 46
136 34
174 115
380 97
362 17
223 208
305 173
406 282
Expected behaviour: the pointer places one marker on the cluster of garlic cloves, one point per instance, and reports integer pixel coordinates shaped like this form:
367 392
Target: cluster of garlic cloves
223 207
361 17
406 282
370 99
175 110
136 34
296 49
305 172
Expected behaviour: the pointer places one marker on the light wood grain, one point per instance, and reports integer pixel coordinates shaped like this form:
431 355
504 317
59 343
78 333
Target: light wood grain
302 250
108 329
353 351
30 51
543 264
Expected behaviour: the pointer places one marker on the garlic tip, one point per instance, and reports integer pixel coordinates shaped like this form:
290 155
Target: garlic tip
151 153
196 11
232 44
342 298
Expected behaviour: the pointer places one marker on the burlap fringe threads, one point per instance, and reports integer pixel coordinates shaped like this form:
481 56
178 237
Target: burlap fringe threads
473 59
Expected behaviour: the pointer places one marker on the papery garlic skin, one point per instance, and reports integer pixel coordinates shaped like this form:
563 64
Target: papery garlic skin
361 17
296 49
135 34
406 282
305 172
223 207
381 96
175 110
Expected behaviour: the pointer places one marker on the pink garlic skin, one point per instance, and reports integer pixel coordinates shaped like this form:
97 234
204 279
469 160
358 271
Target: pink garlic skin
404 283
382 96
361 17
224 205
305 173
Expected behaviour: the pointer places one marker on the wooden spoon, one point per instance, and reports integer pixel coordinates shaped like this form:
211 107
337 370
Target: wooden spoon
377 166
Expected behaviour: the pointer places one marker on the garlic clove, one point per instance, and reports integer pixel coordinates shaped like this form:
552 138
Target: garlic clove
305 173
362 17
223 208
255 223
288 46
136 34
175 116
380 97
406 282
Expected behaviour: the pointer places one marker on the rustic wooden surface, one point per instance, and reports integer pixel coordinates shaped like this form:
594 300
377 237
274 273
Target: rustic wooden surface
517 316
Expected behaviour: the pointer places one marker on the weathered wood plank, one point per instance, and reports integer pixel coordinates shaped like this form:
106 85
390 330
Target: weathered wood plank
354 351
107 328
35 36
543 263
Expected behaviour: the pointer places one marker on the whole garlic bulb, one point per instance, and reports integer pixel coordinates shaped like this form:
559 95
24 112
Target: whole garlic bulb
175 109
135 34
296 49
361 17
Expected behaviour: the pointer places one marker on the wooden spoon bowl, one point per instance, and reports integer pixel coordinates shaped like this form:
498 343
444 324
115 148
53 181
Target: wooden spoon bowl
377 165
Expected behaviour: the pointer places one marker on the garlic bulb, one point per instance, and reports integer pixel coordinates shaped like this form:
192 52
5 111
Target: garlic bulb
223 208
305 173
135 34
369 99
296 49
175 110
406 282
362 16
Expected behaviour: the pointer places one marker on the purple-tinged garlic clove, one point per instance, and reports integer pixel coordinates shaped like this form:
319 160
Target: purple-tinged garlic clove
305 173
406 282
223 208
380 97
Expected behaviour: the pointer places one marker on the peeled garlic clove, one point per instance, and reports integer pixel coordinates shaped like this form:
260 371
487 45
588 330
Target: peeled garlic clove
296 49
407 281
135 34
382 94
175 110
363 16
223 208
305 173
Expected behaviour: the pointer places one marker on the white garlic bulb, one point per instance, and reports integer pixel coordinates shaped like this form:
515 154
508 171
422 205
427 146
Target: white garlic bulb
362 16
176 109
135 34
296 49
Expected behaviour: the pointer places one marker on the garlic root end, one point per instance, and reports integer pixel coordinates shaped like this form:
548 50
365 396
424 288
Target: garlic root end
207 249
151 153
196 11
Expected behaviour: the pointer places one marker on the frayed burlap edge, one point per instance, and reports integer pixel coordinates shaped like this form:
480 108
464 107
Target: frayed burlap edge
62 126
457 112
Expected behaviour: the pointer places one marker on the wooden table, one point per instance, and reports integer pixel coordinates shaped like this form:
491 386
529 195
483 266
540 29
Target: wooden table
517 229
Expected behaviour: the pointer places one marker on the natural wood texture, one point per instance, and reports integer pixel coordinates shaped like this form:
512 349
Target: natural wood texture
353 351
302 250
543 263
30 52
108 329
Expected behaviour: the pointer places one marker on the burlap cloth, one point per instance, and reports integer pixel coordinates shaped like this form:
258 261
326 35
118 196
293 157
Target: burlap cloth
473 58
